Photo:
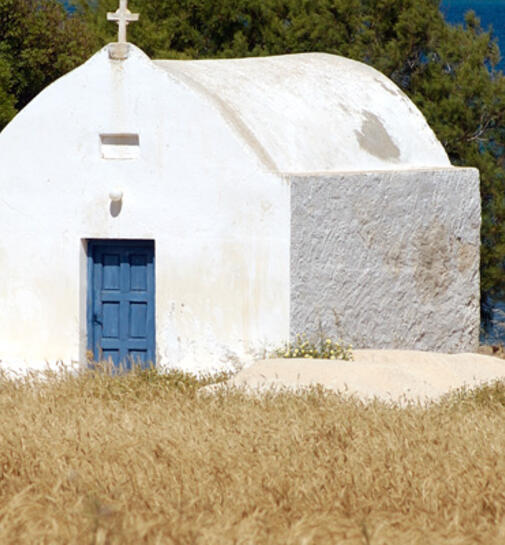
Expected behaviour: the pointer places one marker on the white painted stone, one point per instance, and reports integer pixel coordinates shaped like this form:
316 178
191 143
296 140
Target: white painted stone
394 376
387 260
220 221
315 112
209 183
116 195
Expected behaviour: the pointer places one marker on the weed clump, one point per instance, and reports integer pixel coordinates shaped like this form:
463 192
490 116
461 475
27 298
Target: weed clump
142 382
323 348
490 394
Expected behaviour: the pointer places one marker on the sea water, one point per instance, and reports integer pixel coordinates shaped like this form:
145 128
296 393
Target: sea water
490 12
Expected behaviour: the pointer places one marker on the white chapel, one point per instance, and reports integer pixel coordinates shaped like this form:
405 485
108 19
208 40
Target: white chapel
195 214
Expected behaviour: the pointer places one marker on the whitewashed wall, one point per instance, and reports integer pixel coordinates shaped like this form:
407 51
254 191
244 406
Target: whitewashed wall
219 219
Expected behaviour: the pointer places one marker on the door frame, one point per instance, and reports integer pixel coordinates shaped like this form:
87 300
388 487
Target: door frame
89 247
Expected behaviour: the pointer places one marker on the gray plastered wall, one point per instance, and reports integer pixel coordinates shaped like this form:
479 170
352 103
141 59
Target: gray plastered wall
387 259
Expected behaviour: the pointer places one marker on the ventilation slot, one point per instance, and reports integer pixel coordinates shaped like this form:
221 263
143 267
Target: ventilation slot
120 146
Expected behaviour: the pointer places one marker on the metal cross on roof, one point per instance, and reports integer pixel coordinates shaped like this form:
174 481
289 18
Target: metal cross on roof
123 16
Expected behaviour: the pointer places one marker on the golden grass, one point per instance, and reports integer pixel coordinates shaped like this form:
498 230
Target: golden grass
140 459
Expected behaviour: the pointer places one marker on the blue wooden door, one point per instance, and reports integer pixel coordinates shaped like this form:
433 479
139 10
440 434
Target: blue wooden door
121 326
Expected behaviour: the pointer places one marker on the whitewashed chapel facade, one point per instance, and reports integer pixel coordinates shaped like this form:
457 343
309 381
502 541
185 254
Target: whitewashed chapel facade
199 212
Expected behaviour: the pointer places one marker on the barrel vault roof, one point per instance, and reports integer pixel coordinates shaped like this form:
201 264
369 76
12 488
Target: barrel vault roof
315 112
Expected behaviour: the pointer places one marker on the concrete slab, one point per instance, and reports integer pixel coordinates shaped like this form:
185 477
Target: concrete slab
389 375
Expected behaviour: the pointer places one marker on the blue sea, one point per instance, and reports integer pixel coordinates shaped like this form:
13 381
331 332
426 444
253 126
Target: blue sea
490 12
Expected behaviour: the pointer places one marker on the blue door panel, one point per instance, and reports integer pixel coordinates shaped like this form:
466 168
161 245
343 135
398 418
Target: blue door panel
139 270
137 357
121 297
110 320
110 274
111 356
138 320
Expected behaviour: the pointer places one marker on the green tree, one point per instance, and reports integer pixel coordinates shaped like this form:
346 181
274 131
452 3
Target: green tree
39 42
7 98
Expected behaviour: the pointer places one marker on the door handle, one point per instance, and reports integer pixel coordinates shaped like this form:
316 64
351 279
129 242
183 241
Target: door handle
96 320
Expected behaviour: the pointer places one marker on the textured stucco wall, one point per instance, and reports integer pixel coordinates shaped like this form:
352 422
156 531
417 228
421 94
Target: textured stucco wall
387 260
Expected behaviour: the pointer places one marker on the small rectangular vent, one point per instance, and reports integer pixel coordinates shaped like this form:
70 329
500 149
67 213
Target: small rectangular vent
120 146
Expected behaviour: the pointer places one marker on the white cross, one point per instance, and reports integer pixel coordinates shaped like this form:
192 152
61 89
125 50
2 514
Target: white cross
123 16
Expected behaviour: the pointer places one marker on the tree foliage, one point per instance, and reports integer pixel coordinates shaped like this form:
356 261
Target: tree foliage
449 72
39 42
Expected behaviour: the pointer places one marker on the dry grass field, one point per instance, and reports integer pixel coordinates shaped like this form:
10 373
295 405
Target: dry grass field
147 460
